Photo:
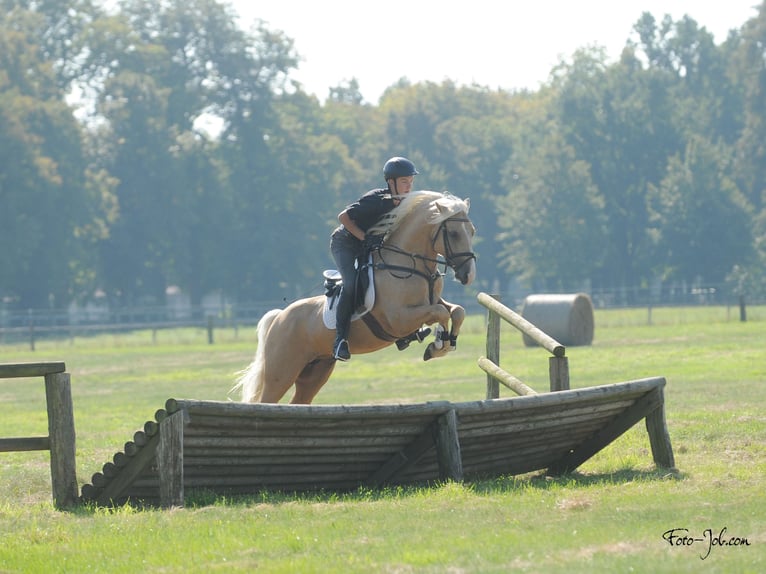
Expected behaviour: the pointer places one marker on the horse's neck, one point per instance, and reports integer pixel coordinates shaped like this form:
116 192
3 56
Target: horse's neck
414 239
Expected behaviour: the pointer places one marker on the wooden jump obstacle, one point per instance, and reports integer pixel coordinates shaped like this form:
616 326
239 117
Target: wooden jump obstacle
60 440
241 448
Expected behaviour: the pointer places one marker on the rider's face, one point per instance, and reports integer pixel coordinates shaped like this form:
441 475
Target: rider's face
403 185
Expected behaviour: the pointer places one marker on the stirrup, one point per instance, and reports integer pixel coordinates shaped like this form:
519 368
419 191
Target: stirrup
341 352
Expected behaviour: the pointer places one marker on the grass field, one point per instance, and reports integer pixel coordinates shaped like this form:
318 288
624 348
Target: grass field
613 515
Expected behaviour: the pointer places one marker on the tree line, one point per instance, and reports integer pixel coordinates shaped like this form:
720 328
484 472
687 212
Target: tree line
160 143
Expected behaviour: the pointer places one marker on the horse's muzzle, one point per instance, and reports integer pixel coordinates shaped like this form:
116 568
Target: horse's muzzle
466 271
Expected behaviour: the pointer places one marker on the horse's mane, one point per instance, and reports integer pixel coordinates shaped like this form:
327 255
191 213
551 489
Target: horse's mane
440 206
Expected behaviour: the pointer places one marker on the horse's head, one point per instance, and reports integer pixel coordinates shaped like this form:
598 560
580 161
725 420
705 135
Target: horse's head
453 237
435 223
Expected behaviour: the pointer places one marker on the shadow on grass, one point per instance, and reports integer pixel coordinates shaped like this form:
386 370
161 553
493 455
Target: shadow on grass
489 485
541 481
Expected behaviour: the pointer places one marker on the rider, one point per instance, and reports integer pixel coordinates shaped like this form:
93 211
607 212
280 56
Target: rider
350 239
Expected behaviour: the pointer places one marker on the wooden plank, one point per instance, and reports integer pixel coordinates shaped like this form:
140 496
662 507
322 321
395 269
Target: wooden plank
15 370
263 410
170 460
24 443
659 439
203 424
606 434
256 441
493 352
404 458
448 447
61 431
558 373
561 398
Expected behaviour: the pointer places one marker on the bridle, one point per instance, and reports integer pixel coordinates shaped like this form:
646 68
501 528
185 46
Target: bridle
451 259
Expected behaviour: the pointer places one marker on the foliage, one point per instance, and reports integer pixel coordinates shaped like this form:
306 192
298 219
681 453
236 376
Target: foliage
160 144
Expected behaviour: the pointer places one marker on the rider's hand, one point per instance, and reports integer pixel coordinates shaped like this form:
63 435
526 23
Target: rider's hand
372 242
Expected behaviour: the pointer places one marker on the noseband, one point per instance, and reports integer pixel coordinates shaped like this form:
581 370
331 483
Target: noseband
451 256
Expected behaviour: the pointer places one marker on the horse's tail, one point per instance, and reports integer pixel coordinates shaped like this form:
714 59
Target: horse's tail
250 381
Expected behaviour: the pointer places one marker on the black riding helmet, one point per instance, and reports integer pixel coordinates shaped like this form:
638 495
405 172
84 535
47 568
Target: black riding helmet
398 167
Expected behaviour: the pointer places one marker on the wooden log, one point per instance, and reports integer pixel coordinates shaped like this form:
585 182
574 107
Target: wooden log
317 427
170 460
140 439
491 421
562 399
401 459
558 372
110 470
15 444
507 379
280 411
61 432
448 447
493 351
276 450
659 439
286 459
606 434
17 370
548 343
151 428
114 490
349 442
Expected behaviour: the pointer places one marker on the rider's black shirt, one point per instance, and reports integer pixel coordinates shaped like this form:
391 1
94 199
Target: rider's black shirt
370 208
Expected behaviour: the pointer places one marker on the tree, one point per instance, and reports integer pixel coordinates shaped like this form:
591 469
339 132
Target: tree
53 206
701 218
554 226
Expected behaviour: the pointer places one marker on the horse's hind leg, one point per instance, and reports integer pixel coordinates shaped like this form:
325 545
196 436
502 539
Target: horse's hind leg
311 380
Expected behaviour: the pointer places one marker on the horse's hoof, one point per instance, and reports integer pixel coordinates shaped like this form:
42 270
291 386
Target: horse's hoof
427 353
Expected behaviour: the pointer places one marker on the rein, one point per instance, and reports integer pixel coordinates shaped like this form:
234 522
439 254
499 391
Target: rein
435 274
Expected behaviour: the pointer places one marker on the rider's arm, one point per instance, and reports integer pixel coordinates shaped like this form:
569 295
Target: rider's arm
350 225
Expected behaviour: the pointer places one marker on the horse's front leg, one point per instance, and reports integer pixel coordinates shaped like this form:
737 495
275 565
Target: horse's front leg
446 340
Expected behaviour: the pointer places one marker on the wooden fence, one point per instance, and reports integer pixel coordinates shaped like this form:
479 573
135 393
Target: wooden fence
60 440
240 448
558 363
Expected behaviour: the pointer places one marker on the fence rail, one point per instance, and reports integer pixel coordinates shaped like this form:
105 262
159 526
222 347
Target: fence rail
558 362
60 440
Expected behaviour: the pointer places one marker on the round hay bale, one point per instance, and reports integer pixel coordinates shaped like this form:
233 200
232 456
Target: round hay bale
568 318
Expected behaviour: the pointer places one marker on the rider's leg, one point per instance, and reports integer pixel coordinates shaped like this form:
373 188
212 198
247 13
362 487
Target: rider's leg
344 249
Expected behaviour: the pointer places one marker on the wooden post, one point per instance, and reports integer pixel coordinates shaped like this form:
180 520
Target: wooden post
448 447
170 460
58 394
742 309
558 369
493 351
659 439
210 330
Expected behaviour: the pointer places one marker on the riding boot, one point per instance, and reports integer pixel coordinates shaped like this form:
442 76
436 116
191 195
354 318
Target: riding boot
343 324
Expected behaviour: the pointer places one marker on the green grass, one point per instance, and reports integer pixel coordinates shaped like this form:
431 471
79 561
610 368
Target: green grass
608 517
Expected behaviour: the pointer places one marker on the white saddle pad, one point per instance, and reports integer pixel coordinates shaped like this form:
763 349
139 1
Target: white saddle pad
328 314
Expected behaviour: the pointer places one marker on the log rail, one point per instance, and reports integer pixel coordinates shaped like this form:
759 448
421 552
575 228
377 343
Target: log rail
238 448
60 440
558 363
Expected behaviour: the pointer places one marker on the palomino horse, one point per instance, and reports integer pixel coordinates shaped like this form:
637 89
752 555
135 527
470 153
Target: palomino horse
295 347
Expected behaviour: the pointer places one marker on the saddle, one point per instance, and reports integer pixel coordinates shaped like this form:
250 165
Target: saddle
365 292
365 300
